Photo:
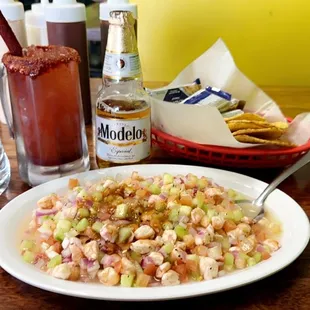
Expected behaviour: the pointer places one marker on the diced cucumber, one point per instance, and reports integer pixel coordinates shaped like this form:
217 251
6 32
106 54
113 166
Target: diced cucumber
229 259
136 256
205 208
121 211
93 211
82 194
56 260
243 256
29 257
211 213
160 205
231 193
167 225
174 191
124 234
199 199
237 215
202 183
59 234
27 245
64 225
229 268
180 231
83 212
154 189
228 215
46 217
168 247
225 244
127 280
251 262
257 256
193 257
74 223
167 178
185 210
82 225
97 226
57 216
174 214
97 196
71 233
77 189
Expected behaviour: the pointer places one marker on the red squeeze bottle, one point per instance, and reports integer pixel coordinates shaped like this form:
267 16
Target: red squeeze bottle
66 25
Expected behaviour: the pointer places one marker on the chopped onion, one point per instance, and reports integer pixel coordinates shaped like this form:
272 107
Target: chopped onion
146 261
41 212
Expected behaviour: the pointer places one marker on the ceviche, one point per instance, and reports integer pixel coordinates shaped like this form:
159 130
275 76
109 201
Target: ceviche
142 232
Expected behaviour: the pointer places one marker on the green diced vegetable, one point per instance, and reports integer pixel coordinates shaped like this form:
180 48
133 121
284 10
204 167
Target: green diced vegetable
229 215
57 216
83 212
168 247
199 199
56 260
71 233
229 259
100 255
231 193
251 261
27 245
59 234
257 256
185 210
82 194
160 205
211 213
74 223
225 244
124 234
127 280
180 231
237 215
167 225
193 257
167 178
121 211
29 257
136 256
97 227
174 191
243 256
64 225
205 208
154 189
82 225
174 214
97 196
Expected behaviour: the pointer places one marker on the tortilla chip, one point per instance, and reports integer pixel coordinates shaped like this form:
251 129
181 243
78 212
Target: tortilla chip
254 140
235 125
246 116
263 133
280 125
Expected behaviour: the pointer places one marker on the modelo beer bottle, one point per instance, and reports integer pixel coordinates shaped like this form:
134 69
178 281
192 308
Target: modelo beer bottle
123 113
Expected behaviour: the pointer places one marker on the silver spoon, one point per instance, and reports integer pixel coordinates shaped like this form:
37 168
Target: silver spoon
259 202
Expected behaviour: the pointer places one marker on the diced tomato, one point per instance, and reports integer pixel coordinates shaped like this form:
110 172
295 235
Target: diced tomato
73 183
261 236
57 247
229 225
150 270
186 200
191 265
118 266
182 271
265 255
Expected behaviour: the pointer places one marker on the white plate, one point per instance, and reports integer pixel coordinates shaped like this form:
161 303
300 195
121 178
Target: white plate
294 239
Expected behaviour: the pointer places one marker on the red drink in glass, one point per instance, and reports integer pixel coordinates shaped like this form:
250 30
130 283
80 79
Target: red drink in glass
48 121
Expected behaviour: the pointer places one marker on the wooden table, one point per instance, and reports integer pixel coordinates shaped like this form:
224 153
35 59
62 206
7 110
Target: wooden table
287 289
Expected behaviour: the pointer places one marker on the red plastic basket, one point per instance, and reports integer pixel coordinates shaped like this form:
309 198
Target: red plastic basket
225 156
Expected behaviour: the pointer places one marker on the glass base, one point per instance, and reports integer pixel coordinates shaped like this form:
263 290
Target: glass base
5 170
36 175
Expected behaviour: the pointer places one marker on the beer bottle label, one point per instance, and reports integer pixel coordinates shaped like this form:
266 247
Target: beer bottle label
123 141
121 65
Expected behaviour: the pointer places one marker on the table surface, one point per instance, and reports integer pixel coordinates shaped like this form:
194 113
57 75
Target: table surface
287 289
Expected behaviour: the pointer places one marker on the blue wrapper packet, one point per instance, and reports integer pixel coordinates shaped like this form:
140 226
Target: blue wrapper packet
176 94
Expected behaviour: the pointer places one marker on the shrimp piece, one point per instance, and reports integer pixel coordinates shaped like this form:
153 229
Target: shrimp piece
196 215
108 276
217 222
143 246
91 250
208 267
144 232
170 278
169 235
163 268
47 202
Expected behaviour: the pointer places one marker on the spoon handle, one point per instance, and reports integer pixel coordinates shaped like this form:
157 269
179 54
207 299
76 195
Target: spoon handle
259 201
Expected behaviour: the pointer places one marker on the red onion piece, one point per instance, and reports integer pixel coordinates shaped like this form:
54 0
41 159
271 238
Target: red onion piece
66 253
67 259
41 212
146 261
